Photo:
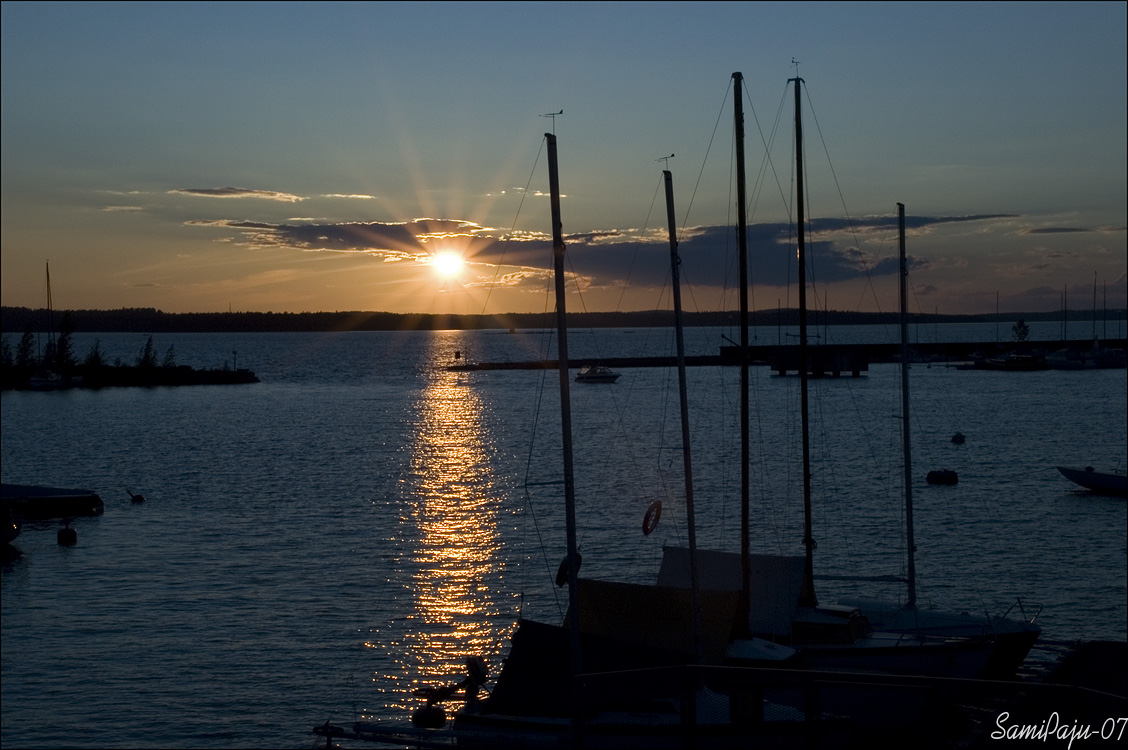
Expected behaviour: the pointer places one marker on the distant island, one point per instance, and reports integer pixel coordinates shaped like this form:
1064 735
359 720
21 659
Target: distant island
58 367
150 320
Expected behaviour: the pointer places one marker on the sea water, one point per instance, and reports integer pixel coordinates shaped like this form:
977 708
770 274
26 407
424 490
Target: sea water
315 546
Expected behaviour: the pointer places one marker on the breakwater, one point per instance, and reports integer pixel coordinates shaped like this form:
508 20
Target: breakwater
832 359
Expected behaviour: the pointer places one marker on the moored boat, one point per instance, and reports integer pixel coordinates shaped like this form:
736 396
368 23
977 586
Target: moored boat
596 374
32 502
1098 482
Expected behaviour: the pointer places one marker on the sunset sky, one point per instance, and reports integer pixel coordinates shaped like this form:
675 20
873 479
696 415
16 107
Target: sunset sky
305 157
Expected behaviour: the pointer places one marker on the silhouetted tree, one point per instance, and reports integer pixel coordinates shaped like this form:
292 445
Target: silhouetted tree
1020 331
7 359
25 352
95 358
170 358
147 359
64 350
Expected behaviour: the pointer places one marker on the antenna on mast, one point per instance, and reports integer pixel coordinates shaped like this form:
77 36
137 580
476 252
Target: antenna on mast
796 64
553 116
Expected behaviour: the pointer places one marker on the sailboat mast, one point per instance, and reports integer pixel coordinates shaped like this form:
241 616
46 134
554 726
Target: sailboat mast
807 596
745 450
1094 309
691 525
565 407
906 445
50 307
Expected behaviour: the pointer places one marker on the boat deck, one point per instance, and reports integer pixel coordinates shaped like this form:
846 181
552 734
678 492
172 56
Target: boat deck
33 502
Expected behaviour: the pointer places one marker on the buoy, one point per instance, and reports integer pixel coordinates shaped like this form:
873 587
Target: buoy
67 536
650 520
943 476
958 438
135 498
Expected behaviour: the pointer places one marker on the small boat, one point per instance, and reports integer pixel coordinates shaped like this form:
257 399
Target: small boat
596 374
1015 362
1099 482
34 503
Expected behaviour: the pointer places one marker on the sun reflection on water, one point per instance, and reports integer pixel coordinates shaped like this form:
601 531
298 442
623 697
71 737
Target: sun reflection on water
450 560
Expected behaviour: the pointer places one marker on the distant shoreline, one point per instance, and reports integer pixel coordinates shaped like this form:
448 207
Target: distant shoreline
150 320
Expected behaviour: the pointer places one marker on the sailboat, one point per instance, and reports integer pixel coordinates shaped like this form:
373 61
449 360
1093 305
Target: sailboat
1011 640
779 602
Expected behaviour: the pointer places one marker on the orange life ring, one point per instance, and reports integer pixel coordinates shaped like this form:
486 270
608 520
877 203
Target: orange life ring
650 520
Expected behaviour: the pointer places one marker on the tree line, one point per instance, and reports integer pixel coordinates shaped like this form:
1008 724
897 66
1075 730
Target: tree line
22 364
150 320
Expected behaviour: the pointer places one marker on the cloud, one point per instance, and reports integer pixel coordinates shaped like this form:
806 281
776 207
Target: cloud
1054 230
1072 230
122 208
416 239
611 257
708 254
357 196
234 192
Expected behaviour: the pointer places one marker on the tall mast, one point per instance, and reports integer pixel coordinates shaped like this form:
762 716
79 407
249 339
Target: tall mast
565 407
1094 309
50 307
691 526
807 596
906 445
742 244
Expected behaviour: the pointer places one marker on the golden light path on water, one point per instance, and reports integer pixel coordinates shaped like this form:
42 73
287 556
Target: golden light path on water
451 507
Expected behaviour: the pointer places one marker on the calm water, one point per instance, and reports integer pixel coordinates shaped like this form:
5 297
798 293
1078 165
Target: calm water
315 545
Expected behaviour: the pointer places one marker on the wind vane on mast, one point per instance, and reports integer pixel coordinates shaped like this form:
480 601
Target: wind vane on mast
666 160
553 115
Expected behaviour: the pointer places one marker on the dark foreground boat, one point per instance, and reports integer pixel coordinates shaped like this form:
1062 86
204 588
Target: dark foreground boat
34 503
1099 482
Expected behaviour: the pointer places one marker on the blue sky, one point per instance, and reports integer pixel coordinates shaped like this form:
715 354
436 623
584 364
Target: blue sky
196 157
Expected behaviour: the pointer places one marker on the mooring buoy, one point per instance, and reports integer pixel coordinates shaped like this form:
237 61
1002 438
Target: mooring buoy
67 536
943 476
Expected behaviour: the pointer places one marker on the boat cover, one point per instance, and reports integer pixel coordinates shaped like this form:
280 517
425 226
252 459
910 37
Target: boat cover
776 581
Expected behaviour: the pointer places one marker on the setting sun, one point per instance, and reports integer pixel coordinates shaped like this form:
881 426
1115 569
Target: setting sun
447 265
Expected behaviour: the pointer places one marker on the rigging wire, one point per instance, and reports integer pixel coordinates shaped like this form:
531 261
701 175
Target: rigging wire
513 225
845 210
620 410
529 464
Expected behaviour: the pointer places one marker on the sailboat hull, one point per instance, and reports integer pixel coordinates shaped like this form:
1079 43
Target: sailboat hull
893 653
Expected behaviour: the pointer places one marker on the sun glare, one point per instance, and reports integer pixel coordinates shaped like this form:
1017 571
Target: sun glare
447 265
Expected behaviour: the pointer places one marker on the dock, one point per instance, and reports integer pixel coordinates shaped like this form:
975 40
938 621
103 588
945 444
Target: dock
831 360
35 503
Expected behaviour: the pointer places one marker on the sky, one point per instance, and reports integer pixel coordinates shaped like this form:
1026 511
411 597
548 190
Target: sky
203 157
